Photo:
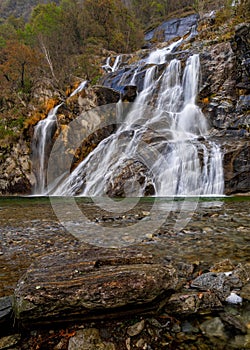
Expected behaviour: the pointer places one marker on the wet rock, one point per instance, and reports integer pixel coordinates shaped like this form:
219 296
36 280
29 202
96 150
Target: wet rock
5 312
89 339
9 341
243 103
223 266
245 292
214 328
91 283
240 342
136 329
236 166
129 179
233 323
15 169
187 327
129 93
173 28
234 298
211 281
106 95
191 303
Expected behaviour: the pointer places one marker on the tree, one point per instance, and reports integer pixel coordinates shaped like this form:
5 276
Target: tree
47 30
19 66
113 24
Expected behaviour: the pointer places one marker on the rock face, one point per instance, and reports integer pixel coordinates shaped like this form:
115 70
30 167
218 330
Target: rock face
237 166
225 84
91 282
224 98
15 169
173 28
129 175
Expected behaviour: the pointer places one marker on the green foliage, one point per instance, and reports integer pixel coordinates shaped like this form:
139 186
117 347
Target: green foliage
61 39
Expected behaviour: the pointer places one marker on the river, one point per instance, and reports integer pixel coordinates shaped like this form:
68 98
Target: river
210 230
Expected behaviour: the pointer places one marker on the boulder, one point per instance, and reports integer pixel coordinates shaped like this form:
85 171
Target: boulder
92 283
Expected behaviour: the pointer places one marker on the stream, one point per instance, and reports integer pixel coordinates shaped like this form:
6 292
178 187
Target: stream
217 229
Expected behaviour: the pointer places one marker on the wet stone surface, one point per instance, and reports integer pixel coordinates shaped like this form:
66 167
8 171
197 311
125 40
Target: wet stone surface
210 254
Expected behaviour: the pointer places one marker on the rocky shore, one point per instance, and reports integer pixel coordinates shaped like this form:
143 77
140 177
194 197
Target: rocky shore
134 298
175 289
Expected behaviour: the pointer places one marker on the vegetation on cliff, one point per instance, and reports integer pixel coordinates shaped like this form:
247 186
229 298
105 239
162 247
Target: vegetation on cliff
51 44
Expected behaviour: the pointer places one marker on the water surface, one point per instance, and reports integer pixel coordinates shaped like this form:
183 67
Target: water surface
215 229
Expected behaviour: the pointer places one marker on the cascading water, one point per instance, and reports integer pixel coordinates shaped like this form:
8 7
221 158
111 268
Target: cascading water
184 163
112 68
43 134
42 143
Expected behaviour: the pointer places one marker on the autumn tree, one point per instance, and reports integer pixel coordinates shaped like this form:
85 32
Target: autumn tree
19 66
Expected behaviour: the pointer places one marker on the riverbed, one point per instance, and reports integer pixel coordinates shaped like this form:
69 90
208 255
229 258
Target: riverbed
204 230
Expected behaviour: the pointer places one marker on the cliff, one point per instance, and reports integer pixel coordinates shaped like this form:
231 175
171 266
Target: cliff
224 98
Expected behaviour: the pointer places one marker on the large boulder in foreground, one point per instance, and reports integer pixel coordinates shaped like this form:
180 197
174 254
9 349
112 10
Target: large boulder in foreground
92 283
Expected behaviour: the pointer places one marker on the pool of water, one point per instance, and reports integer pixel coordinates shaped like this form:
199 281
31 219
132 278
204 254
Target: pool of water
196 229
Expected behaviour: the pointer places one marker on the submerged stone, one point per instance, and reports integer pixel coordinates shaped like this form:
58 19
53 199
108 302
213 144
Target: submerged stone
89 339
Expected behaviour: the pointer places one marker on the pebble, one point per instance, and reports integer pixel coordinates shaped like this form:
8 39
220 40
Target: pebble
136 329
214 328
9 341
128 341
233 323
234 298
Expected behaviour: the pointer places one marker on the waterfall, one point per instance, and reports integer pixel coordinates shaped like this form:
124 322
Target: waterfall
112 68
184 163
43 134
42 144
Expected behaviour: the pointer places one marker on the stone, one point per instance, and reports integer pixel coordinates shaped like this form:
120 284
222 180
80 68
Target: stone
236 166
128 343
106 95
9 341
5 311
245 292
223 266
233 323
129 178
136 329
211 281
233 298
191 303
89 339
92 283
129 93
214 328
173 28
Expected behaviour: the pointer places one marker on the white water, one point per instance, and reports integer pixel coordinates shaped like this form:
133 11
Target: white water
185 165
41 144
112 68
159 56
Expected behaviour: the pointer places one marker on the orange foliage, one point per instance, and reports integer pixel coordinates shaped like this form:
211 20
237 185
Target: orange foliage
205 100
51 103
34 119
